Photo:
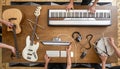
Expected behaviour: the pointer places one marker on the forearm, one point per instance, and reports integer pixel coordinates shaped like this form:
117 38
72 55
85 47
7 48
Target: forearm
116 50
103 65
68 60
71 1
95 2
2 21
5 46
46 65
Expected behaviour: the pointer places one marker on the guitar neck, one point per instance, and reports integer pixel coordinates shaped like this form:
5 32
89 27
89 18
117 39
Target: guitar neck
15 41
34 30
36 13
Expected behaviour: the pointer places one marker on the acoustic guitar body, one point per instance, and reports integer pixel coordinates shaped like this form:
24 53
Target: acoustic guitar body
30 51
14 16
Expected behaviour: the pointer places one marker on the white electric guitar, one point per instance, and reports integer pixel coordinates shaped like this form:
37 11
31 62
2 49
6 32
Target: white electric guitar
30 51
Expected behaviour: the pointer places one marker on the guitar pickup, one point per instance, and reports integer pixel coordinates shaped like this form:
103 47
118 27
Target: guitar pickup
34 55
28 57
29 54
30 50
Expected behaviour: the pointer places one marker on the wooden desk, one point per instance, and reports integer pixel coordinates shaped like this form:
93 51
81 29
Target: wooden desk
49 32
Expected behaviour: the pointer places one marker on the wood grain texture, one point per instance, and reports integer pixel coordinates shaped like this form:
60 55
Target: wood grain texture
6 66
50 32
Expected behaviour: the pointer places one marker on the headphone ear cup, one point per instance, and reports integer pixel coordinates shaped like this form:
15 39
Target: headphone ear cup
78 39
83 55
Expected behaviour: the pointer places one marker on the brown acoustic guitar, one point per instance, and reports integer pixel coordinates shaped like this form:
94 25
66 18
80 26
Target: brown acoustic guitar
13 15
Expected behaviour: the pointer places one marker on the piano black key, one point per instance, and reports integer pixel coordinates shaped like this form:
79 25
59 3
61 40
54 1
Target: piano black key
73 15
108 15
60 15
100 15
52 14
97 15
76 15
80 14
64 13
84 14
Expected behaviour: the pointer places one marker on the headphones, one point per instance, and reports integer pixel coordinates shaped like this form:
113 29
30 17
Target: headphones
77 36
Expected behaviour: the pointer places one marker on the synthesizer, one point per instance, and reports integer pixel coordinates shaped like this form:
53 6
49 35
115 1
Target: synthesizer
62 17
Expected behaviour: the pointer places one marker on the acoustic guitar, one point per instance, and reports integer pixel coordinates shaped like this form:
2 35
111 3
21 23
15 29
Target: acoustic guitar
14 15
30 51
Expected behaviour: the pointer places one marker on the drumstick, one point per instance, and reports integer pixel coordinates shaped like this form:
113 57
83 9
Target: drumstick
105 44
103 51
32 29
34 22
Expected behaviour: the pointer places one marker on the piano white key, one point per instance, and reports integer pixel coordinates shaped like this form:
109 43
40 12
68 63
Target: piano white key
74 13
98 15
95 14
66 13
87 14
78 14
58 15
106 15
103 14
62 14
82 14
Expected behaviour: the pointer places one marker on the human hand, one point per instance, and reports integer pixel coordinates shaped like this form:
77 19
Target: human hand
47 59
111 41
70 6
13 50
103 57
92 9
68 49
9 24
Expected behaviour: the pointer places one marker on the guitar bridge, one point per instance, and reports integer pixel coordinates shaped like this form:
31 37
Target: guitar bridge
34 55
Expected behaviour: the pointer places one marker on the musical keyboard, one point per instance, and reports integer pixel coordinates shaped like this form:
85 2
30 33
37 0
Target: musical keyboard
78 18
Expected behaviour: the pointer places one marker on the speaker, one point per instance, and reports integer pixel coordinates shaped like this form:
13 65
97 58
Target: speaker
77 36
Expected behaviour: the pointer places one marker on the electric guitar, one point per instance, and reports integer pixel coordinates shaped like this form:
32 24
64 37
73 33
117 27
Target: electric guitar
30 51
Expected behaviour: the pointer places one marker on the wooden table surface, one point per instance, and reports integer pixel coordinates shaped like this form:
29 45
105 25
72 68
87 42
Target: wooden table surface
49 32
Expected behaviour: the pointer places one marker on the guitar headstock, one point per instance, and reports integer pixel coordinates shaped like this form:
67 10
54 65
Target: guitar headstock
37 11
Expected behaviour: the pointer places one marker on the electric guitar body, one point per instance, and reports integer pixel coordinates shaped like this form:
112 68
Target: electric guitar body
13 15
30 51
